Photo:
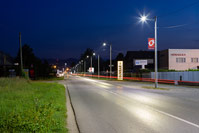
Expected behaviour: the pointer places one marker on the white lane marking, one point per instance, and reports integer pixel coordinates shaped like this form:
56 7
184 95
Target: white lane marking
162 112
178 118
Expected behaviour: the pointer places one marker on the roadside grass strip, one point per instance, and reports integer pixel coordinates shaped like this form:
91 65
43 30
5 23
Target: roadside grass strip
51 79
150 87
27 106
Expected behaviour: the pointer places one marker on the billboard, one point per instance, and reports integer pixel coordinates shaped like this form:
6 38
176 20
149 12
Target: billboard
120 70
91 69
141 63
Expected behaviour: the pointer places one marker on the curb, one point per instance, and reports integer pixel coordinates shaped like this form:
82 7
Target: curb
73 112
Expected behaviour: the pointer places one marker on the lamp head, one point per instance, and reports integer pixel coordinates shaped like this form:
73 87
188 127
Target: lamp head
143 18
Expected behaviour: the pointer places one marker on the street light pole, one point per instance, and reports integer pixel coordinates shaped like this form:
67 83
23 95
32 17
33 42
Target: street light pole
98 66
91 64
156 55
104 44
84 67
110 60
144 19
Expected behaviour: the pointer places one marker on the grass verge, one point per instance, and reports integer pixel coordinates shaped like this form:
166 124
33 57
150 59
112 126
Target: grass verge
150 87
27 106
51 79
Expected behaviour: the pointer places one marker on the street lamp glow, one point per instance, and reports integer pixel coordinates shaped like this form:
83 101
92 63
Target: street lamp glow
87 56
93 54
104 44
143 18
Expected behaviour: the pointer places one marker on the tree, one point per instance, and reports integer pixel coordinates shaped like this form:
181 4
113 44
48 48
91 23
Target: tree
30 61
28 56
89 52
120 57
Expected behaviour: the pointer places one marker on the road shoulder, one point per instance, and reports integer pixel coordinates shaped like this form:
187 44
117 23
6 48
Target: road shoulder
71 122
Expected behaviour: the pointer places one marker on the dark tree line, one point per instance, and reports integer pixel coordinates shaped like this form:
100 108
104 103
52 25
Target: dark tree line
31 62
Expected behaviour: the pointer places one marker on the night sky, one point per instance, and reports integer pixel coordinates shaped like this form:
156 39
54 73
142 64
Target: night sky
65 28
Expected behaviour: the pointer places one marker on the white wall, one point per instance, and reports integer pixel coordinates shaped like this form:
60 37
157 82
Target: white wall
183 53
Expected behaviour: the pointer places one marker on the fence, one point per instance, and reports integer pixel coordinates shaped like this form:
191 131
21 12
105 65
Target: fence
164 77
192 76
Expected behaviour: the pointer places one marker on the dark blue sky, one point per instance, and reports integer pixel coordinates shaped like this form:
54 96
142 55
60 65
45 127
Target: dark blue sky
65 28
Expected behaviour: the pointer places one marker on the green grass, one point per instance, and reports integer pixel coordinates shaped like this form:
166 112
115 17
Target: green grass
27 106
150 87
51 79
102 78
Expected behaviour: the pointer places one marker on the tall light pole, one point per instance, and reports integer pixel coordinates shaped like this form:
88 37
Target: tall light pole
85 65
156 55
92 61
82 65
98 66
104 44
144 19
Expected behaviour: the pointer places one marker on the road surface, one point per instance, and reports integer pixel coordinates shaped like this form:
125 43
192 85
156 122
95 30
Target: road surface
125 107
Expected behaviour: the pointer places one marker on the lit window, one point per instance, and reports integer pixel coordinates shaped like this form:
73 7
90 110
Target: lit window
180 60
194 60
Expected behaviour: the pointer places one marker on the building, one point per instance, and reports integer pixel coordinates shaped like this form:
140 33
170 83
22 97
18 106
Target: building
179 59
6 64
132 56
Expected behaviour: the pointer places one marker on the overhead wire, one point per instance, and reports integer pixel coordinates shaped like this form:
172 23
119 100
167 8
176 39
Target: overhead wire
176 11
181 9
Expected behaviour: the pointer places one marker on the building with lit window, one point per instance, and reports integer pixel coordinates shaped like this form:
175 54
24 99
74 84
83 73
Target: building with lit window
179 59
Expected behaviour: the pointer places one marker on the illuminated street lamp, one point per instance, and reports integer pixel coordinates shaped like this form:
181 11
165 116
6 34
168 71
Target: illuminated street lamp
143 19
82 65
92 61
85 64
104 44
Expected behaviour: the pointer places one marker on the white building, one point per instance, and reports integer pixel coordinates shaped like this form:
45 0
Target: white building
179 59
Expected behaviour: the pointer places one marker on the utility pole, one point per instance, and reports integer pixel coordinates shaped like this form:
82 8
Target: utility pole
20 49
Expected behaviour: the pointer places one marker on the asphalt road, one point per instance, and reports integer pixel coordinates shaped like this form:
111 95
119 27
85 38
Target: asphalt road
125 107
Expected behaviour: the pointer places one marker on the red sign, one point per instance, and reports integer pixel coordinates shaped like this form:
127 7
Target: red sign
151 43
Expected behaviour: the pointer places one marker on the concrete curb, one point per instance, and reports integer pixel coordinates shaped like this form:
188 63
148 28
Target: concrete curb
72 124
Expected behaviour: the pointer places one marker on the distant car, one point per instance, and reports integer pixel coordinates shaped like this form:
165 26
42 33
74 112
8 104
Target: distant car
60 74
